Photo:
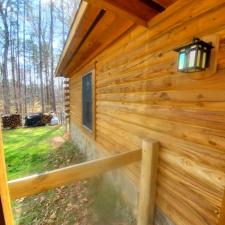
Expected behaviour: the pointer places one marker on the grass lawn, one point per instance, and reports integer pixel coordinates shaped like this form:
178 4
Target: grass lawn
27 149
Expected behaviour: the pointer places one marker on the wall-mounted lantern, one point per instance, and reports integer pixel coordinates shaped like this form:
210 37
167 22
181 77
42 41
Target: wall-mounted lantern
194 57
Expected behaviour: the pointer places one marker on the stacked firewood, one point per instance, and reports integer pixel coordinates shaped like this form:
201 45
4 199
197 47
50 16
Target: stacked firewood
11 121
46 118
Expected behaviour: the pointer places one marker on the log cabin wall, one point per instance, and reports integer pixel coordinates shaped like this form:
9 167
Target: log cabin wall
140 94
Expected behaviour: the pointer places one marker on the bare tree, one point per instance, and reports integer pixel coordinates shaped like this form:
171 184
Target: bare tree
13 62
19 86
4 6
24 58
53 104
30 34
40 58
63 22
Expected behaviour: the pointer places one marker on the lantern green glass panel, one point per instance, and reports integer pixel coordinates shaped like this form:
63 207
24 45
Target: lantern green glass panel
182 60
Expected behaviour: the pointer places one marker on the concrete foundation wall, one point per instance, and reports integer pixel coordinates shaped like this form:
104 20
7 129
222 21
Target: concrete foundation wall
117 177
122 183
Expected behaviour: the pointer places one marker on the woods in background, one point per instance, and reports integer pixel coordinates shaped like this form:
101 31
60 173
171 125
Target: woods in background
33 33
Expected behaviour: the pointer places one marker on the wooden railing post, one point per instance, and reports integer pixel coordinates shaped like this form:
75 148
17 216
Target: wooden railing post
148 180
5 203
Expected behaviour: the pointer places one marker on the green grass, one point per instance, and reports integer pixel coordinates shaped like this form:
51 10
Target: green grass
27 149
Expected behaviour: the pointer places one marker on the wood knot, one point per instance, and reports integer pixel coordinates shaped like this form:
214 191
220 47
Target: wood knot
164 96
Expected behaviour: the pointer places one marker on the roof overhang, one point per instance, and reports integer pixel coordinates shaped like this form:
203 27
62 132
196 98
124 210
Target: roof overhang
98 23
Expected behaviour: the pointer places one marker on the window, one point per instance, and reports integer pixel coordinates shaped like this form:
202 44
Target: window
87 103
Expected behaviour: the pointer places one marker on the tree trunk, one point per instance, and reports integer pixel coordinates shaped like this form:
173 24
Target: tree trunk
18 60
5 82
13 68
53 103
63 23
40 58
24 59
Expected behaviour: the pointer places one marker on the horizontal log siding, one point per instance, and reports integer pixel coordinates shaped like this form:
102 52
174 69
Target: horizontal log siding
140 94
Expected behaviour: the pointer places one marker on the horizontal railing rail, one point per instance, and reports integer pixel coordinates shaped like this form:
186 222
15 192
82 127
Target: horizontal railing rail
38 183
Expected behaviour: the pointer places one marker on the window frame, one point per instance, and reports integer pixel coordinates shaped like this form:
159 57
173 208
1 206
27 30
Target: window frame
86 129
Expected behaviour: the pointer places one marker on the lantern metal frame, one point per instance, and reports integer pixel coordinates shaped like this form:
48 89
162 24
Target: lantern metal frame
195 56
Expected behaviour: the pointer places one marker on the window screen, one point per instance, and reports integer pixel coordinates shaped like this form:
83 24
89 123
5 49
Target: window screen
87 101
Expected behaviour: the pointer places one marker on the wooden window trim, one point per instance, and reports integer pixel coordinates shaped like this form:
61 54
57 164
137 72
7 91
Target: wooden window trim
87 130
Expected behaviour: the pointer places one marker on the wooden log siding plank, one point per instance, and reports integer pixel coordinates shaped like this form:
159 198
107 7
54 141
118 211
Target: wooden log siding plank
176 82
211 107
188 152
201 135
203 152
179 211
213 120
121 46
138 58
118 145
200 205
143 68
125 68
127 137
176 216
222 212
206 174
42 182
201 190
108 144
171 95
205 170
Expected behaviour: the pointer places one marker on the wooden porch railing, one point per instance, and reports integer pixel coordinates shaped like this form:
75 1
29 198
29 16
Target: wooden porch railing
45 181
